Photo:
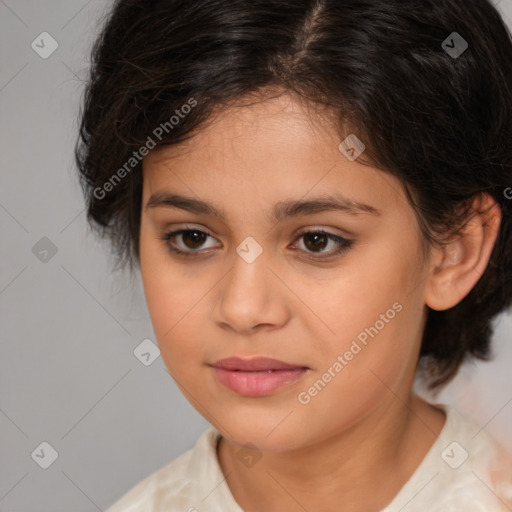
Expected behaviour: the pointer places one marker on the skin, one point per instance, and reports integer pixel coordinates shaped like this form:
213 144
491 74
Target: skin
365 429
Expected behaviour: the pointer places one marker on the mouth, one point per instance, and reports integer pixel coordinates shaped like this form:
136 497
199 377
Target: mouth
259 376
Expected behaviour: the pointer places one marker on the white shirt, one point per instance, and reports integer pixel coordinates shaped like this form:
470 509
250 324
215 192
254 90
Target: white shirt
465 470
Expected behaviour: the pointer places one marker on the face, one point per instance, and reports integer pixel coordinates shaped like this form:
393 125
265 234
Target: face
273 271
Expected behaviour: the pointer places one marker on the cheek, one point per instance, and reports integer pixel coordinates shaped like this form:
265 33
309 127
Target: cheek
366 375
374 323
175 322
167 295
358 300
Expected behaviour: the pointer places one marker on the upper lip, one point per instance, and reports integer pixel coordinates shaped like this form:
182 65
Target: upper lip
254 364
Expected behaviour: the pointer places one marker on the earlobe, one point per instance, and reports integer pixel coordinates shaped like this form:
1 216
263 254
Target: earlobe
459 264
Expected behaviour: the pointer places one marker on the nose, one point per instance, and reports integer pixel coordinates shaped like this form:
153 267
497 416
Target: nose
251 297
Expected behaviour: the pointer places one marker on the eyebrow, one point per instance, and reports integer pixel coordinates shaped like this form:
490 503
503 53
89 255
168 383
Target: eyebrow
281 210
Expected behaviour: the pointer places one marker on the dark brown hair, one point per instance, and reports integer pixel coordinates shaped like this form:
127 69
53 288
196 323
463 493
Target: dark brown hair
439 121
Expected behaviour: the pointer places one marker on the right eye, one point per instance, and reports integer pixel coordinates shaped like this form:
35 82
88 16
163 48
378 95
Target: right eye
185 242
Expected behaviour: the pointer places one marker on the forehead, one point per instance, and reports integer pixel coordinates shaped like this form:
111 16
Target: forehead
282 123
272 149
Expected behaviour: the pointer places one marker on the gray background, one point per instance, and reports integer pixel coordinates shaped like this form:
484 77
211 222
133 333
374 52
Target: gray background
69 326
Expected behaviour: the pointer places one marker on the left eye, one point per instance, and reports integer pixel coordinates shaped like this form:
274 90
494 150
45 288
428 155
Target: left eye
315 241
193 239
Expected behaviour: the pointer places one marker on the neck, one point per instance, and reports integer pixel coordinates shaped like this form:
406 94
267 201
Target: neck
364 466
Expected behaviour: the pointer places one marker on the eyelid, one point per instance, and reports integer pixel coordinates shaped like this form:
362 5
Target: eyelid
329 230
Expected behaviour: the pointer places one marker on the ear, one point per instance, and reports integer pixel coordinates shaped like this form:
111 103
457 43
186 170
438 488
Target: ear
458 265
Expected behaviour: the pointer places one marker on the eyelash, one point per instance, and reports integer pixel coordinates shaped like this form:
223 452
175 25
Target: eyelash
344 243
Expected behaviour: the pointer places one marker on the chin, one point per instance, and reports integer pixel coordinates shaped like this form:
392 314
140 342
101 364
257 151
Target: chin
261 432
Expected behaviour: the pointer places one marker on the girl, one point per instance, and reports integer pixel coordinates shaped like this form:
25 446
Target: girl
315 193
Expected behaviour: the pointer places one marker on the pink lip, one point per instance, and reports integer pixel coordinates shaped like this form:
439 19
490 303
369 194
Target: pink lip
256 377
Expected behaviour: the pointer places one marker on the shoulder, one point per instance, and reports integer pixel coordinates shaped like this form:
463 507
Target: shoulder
477 469
466 469
176 484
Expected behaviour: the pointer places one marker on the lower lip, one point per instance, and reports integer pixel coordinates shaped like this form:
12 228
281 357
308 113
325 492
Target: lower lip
257 383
